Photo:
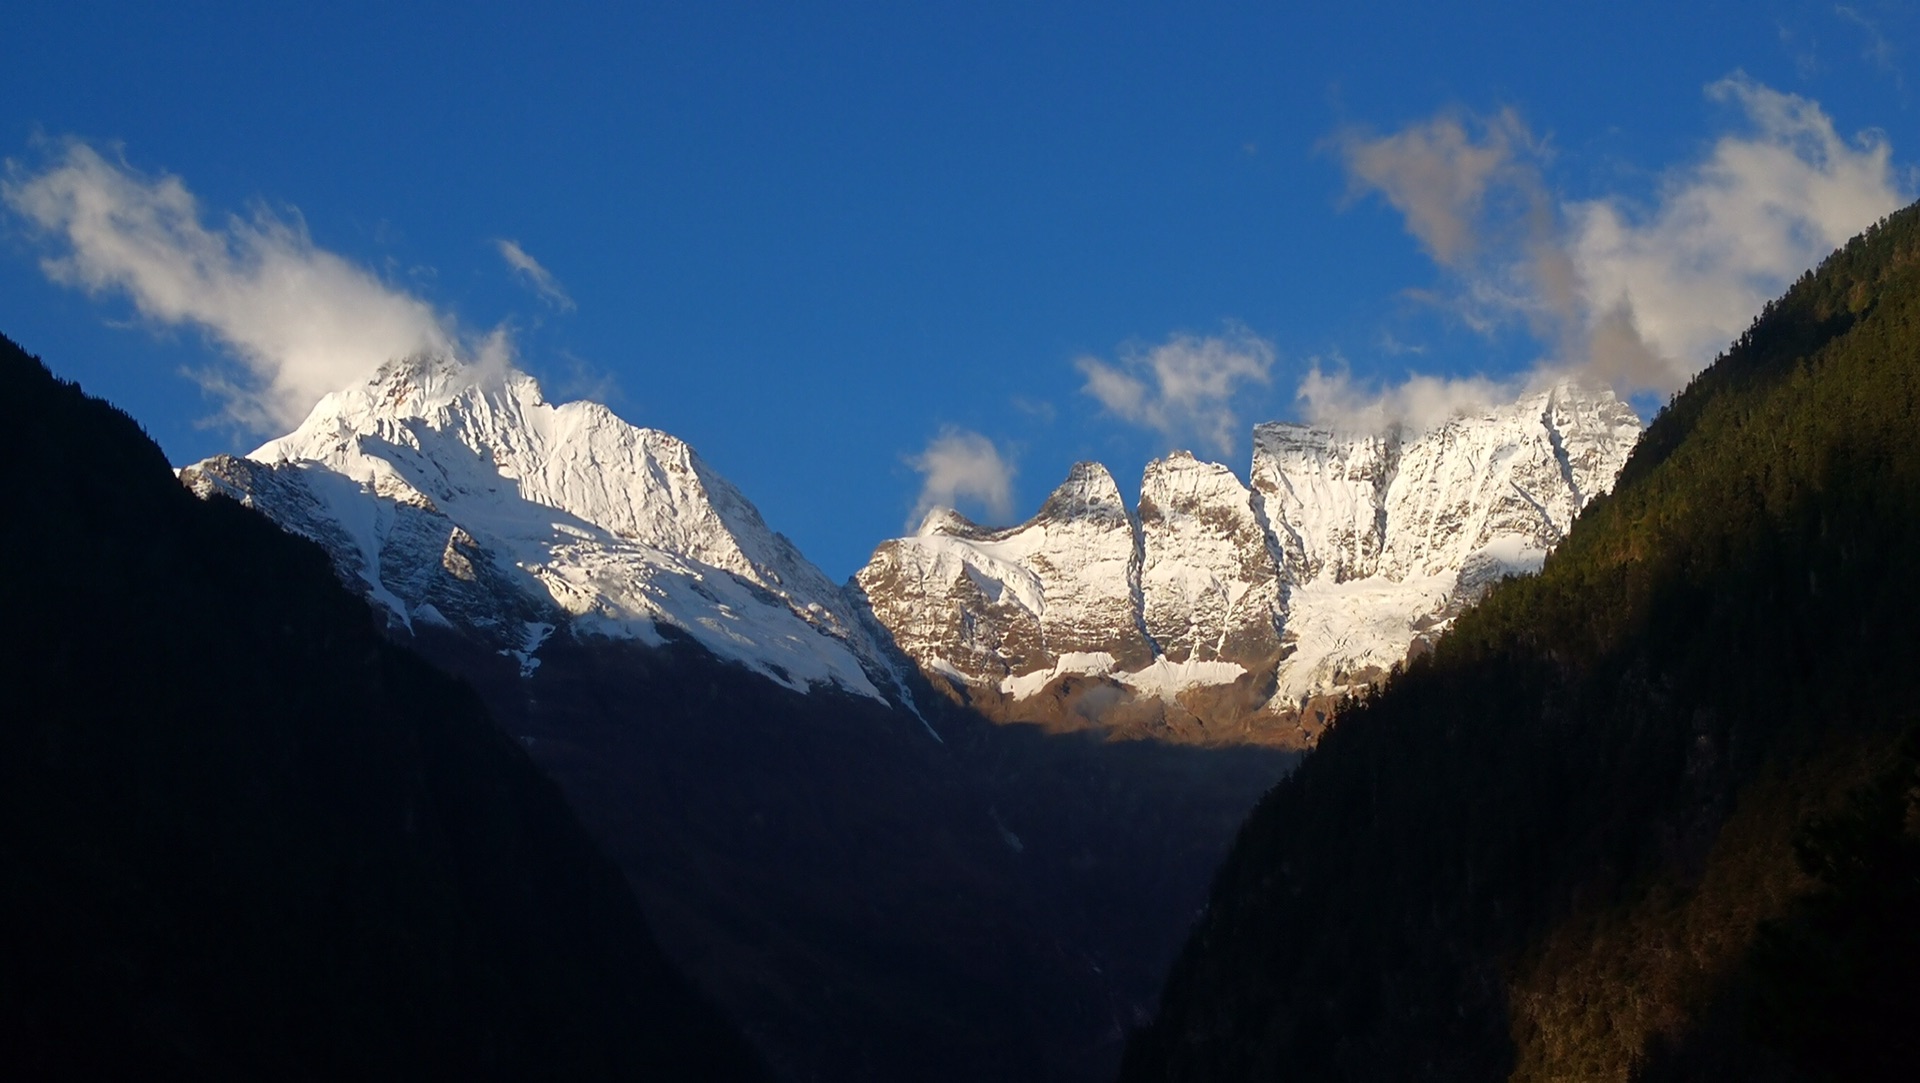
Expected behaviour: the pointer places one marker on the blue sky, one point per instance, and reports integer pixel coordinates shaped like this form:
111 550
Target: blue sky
866 256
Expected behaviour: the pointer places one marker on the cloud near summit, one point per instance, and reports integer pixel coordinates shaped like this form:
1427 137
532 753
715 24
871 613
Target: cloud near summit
960 464
299 320
535 275
1727 233
1640 295
1183 388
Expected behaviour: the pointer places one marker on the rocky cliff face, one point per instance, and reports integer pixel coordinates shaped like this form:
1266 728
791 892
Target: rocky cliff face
1220 611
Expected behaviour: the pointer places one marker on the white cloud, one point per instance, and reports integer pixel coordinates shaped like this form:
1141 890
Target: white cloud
1184 387
1335 401
1729 233
959 464
300 320
1040 410
1391 345
1642 297
528 268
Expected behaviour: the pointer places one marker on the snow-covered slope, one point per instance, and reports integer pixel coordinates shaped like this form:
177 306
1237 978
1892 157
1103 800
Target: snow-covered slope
461 497
1223 602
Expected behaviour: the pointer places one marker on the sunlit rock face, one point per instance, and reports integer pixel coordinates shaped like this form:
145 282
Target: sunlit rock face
1219 611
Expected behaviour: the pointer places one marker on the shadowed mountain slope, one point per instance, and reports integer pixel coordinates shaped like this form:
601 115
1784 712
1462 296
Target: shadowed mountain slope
866 901
244 836
1647 814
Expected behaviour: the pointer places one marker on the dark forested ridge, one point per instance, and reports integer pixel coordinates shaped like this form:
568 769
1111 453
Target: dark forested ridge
1649 814
242 836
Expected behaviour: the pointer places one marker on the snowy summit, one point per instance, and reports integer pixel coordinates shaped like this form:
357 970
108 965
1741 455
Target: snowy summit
457 495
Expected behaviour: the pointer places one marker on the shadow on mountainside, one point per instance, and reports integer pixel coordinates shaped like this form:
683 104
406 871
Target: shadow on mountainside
867 901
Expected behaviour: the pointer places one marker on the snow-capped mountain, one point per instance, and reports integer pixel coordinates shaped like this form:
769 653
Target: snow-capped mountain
1221 611
459 496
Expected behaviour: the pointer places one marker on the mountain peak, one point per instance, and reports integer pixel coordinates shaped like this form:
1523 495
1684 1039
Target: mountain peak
1180 469
574 516
1088 491
1225 602
420 369
941 519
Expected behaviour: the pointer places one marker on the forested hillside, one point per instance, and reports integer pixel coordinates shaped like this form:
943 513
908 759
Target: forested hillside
244 837
1648 814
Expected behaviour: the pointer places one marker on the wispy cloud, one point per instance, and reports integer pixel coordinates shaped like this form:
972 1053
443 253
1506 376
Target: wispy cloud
1391 345
961 464
300 320
1472 192
1040 410
530 271
1878 50
1183 388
